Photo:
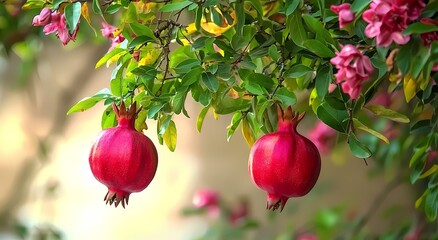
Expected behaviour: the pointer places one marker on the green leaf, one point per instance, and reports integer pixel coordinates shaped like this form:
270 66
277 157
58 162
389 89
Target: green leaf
209 3
116 87
56 3
357 148
420 60
175 6
380 64
318 48
361 126
210 81
109 55
201 118
142 30
291 6
235 121
240 15
317 27
186 65
388 113
359 5
198 18
297 70
431 205
72 14
419 27
89 102
112 9
96 7
285 96
192 76
170 136
257 6
108 118
154 110
179 100
140 40
336 119
323 79
260 79
296 28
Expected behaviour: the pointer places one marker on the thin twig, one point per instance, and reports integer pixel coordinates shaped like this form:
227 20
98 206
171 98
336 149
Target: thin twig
375 204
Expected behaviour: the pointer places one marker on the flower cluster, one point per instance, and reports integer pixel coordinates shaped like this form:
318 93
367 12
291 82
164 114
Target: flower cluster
322 136
388 18
55 22
353 68
108 32
346 16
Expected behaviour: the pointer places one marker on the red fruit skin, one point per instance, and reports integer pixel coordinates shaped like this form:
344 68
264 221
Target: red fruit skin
285 164
123 159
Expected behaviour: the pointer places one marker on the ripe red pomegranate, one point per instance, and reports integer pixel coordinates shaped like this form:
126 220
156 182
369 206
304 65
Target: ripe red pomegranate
285 164
122 158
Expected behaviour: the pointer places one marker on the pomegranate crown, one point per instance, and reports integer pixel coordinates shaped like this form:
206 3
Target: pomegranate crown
125 116
288 117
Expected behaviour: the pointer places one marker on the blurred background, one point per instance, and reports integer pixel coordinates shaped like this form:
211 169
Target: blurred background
48 191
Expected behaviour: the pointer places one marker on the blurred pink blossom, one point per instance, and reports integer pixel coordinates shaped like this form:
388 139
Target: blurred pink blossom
429 37
353 68
322 136
388 18
307 236
205 198
107 31
208 199
383 98
345 15
43 18
239 213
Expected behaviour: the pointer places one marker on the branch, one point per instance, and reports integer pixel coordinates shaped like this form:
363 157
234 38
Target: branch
375 204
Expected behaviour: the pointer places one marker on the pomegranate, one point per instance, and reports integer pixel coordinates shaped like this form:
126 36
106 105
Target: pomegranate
122 158
285 164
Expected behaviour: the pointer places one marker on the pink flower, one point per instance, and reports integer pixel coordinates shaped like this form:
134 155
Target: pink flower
346 16
307 236
205 198
239 213
388 18
55 23
43 18
429 37
353 68
108 32
322 136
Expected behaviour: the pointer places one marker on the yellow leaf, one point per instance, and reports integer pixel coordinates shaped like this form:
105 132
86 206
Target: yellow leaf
424 82
429 172
86 15
421 199
409 87
84 12
247 132
169 136
361 126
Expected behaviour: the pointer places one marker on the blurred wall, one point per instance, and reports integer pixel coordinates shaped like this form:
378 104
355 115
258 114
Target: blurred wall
60 189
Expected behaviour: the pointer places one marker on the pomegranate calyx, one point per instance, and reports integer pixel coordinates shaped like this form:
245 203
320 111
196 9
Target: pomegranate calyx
275 202
126 117
288 118
116 198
